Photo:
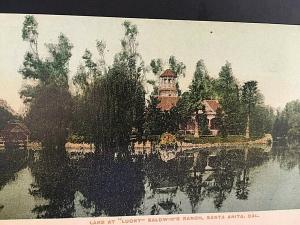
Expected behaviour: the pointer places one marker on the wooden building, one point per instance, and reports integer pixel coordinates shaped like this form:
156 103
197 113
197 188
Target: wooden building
168 96
15 134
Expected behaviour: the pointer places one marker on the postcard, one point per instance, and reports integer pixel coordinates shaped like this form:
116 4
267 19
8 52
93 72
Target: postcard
143 121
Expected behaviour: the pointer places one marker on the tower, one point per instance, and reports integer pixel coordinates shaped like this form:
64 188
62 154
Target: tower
167 84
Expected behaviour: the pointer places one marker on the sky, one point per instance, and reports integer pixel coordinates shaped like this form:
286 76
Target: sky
267 53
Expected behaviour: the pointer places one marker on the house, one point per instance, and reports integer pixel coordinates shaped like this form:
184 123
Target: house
15 133
211 107
168 96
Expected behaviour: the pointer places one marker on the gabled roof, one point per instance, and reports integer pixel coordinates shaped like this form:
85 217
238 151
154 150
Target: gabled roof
212 104
15 127
167 102
168 73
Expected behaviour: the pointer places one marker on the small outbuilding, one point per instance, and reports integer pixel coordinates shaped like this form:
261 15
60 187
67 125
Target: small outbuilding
15 133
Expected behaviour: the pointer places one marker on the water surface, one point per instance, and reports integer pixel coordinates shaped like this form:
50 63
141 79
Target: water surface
220 181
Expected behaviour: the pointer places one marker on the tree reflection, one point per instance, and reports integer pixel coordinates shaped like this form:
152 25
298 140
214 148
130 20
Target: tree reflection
54 181
113 188
195 191
226 164
164 179
11 161
117 188
288 158
242 184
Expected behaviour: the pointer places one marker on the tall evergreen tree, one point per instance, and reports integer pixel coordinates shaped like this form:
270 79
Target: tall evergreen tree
250 98
200 89
228 93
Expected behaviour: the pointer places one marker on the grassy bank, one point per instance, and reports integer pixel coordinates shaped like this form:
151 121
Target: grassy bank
218 139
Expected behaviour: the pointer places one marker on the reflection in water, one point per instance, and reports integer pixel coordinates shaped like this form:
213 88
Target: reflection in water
223 180
111 188
54 181
288 160
163 180
11 162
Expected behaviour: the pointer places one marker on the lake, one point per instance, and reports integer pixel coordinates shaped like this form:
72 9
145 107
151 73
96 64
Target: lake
220 181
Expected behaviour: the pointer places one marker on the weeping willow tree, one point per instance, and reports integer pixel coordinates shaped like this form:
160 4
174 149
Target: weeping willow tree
113 98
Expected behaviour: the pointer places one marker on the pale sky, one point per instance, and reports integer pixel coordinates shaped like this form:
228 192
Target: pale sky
267 53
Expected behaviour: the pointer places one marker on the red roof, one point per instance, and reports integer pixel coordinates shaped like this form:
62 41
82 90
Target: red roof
213 104
167 102
168 73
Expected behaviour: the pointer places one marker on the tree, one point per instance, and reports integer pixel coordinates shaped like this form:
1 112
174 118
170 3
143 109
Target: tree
261 120
250 98
200 89
49 98
185 108
87 77
154 118
51 70
228 93
291 114
203 123
5 117
280 127
156 67
49 116
114 96
177 67
219 122
89 71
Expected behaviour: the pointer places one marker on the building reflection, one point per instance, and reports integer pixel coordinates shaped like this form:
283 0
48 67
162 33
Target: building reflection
87 186
212 176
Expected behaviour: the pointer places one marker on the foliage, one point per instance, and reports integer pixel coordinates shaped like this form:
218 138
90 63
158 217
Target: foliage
280 127
185 108
250 99
157 66
228 93
201 87
49 116
216 139
287 123
203 123
153 118
5 117
111 100
220 123
250 95
48 98
261 121
168 140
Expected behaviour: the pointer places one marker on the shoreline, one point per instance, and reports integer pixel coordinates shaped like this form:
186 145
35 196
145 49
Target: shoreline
265 141
139 147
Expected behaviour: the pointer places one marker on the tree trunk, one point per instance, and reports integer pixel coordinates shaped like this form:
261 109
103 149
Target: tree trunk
247 135
196 134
